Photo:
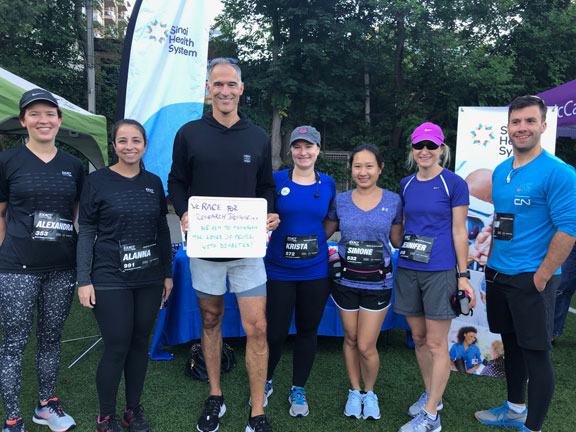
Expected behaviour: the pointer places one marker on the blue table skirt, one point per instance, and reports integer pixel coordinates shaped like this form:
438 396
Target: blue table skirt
180 322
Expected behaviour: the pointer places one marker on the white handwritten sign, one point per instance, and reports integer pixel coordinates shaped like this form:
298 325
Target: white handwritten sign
221 227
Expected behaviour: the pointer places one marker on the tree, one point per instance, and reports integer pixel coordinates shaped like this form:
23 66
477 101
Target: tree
41 45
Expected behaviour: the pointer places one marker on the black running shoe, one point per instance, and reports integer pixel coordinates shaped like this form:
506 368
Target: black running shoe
214 408
135 420
258 424
109 423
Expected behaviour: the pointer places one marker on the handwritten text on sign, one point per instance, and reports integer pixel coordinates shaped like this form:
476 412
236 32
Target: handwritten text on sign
220 227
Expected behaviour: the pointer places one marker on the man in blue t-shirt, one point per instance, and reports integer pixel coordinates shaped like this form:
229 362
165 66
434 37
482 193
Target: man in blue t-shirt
534 229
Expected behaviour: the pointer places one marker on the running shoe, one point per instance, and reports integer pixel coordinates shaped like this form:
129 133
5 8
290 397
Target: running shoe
52 415
267 392
422 423
421 403
353 406
258 424
17 426
214 408
502 416
298 403
109 423
370 410
135 420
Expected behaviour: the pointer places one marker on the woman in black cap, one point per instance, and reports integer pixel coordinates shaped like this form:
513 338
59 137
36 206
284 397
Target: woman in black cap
297 263
39 191
124 268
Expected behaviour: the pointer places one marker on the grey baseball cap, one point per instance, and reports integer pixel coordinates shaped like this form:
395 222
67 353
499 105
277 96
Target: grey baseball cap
306 133
37 95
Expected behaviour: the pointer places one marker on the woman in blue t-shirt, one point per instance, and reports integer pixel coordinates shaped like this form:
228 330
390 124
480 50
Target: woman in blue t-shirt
431 264
369 219
297 263
466 349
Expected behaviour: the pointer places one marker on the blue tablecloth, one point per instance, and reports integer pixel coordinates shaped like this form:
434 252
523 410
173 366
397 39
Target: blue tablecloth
180 322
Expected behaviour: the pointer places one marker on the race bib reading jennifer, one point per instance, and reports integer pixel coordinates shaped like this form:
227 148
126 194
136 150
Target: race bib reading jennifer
138 256
416 248
51 227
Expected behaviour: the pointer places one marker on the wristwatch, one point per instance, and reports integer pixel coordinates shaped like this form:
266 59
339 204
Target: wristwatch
466 274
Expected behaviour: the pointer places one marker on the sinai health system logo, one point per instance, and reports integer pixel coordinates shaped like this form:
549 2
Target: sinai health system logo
157 31
482 135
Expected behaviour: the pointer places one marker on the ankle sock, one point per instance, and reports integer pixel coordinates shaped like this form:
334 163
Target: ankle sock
518 409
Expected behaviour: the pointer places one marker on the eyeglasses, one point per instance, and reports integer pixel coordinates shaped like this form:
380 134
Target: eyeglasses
428 144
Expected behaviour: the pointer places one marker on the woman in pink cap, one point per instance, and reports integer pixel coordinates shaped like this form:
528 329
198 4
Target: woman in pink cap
431 265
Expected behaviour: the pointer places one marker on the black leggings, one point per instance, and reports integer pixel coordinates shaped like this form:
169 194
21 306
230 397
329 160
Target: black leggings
307 299
125 318
52 293
523 365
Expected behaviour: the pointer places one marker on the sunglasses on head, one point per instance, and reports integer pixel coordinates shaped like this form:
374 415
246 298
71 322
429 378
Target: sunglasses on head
428 144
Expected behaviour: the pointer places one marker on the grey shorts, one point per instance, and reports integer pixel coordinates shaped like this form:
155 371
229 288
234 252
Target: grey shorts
425 293
246 277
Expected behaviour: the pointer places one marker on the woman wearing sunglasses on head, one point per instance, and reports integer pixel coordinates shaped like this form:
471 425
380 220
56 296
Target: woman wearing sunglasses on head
297 263
431 265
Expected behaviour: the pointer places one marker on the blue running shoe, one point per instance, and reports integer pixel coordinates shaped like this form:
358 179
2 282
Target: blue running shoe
52 415
502 416
371 410
419 405
422 423
267 392
353 406
298 404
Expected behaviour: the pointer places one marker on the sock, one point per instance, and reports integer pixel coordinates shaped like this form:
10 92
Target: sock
430 416
518 409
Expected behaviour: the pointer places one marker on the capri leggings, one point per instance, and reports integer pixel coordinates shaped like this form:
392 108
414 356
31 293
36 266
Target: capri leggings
125 318
306 299
19 293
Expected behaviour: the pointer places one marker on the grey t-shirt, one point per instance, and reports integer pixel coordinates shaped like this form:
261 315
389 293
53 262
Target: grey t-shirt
371 225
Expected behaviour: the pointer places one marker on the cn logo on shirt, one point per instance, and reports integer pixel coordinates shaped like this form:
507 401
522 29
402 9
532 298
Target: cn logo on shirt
522 200
247 158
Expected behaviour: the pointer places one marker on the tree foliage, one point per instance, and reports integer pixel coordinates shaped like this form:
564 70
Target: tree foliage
309 61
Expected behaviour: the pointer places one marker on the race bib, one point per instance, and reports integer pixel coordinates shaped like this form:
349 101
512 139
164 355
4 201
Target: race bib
416 248
137 256
503 226
301 247
51 227
364 252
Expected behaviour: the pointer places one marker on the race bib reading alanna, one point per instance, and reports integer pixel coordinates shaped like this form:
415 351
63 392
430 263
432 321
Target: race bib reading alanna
138 256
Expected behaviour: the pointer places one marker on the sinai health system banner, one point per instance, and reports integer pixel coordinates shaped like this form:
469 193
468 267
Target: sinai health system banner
482 144
163 73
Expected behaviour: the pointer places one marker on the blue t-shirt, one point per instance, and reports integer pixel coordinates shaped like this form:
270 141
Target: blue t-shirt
371 225
542 197
471 355
301 214
428 212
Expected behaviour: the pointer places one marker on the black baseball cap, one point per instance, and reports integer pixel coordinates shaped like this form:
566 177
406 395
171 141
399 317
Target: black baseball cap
37 95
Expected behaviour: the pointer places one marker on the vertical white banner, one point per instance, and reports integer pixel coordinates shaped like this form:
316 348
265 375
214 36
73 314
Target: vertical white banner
482 144
166 74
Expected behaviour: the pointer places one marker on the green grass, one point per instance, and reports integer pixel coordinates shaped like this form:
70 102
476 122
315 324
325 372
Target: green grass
173 402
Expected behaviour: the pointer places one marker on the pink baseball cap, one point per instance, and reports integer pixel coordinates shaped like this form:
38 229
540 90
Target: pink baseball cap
428 132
